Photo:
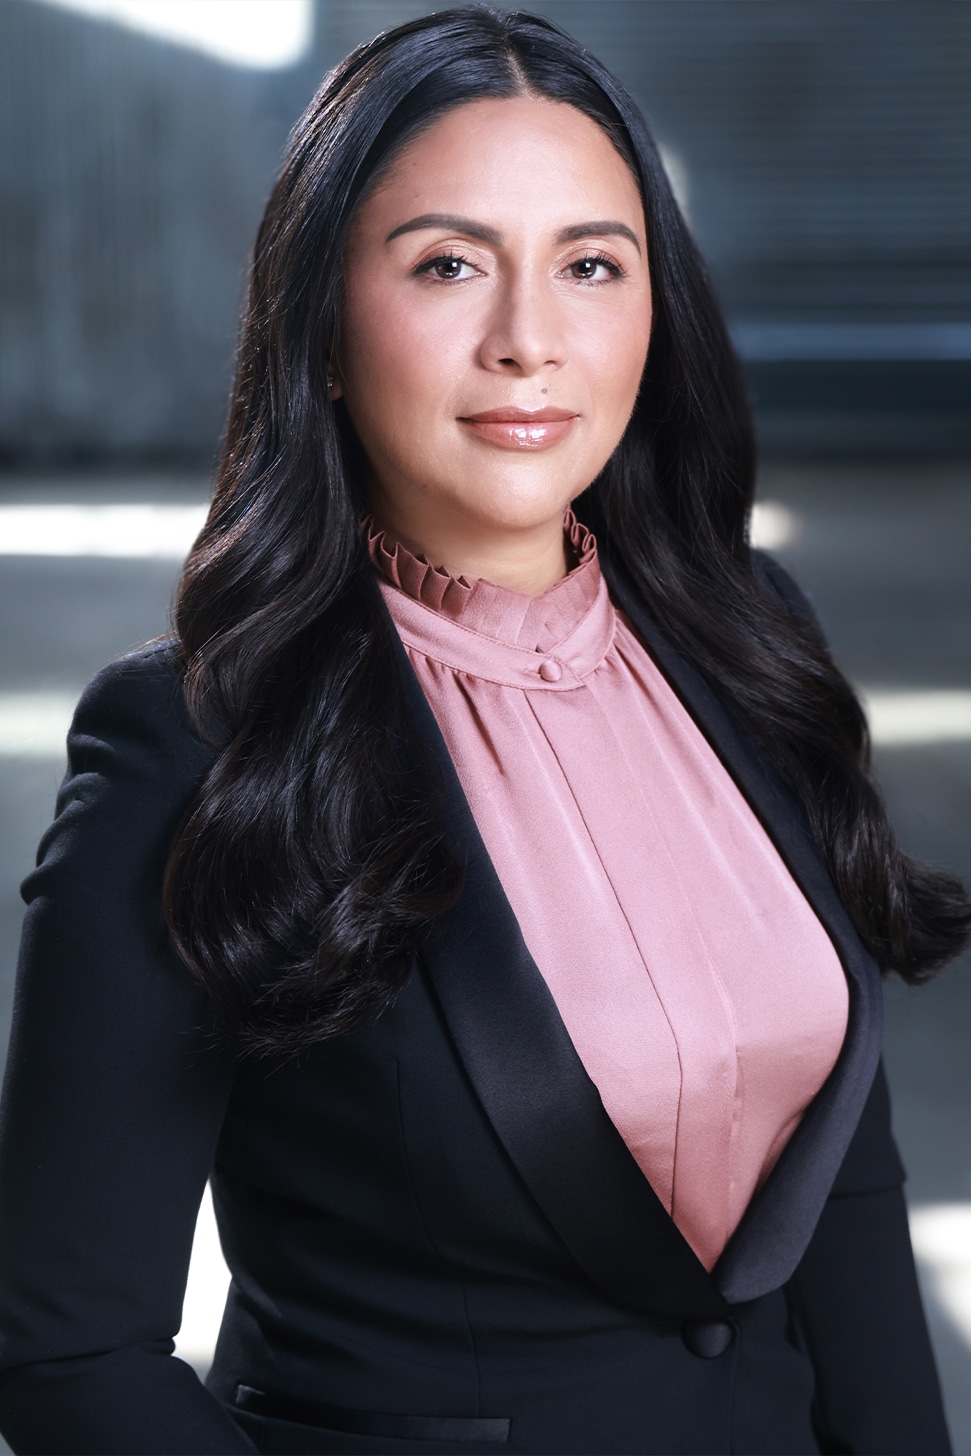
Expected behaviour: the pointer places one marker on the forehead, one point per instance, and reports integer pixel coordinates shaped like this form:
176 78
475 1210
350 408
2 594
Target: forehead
520 157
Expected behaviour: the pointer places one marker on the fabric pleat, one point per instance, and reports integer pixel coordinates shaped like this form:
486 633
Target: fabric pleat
701 992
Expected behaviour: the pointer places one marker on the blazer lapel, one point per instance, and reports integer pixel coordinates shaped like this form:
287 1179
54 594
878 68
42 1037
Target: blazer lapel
547 1112
779 1222
535 1091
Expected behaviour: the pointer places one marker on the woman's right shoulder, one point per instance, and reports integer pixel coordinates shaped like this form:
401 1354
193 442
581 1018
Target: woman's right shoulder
134 764
135 709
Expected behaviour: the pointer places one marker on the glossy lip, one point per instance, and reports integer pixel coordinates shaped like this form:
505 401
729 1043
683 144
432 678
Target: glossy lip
512 428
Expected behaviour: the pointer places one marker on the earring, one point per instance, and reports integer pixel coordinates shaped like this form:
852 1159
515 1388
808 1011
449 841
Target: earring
330 382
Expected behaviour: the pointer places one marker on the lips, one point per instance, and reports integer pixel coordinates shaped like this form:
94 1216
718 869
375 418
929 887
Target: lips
512 428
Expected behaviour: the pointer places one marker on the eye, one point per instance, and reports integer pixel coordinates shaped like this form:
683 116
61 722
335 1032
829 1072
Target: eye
593 269
447 268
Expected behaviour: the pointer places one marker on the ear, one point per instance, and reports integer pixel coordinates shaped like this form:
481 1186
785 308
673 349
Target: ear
335 384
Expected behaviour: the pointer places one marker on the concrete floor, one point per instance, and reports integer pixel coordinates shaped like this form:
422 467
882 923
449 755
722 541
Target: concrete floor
884 553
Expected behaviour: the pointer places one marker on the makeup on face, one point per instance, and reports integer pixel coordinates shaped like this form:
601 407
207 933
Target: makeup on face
510 428
496 319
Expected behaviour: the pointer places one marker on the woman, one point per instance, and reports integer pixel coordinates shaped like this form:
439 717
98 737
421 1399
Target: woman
533 898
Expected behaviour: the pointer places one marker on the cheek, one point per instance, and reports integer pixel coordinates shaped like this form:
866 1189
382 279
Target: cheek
616 357
392 339
394 375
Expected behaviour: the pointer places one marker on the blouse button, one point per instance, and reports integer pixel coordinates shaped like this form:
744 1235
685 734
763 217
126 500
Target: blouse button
550 670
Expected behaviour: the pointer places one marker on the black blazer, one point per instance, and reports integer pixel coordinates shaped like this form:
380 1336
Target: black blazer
439 1242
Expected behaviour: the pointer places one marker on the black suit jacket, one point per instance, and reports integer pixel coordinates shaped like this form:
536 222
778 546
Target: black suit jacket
438 1239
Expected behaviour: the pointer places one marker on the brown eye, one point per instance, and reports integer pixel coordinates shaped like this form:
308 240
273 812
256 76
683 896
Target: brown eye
593 269
447 268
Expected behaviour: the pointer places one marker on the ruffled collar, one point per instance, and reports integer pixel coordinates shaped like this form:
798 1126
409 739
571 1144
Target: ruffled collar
538 624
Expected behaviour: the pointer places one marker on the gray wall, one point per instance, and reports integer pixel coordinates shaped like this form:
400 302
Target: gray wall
132 174
826 145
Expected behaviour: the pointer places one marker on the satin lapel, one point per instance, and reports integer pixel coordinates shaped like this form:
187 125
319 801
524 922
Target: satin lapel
779 1222
535 1091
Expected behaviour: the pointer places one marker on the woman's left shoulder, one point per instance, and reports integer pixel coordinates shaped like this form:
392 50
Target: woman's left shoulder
774 574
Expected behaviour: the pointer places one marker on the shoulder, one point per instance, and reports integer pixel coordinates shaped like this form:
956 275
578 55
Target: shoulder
134 762
143 689
774 574
135 711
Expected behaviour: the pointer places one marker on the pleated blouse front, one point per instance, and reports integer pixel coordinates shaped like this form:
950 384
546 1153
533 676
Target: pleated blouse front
703 996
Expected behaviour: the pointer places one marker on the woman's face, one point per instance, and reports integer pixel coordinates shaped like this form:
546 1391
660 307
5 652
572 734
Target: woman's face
495 323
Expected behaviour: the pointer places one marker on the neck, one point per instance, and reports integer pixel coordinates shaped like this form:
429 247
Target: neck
528 561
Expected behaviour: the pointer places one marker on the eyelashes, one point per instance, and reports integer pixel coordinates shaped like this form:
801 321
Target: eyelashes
600 260
444 261
447 268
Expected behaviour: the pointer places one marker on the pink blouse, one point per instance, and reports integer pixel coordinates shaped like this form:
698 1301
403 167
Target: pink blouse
703 996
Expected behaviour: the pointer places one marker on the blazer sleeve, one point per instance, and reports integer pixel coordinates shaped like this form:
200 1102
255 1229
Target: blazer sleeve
857 1307
113 1099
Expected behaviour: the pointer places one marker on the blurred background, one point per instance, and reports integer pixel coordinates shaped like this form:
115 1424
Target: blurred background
821 150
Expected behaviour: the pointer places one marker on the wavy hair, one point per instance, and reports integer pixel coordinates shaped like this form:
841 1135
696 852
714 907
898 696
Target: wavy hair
313 857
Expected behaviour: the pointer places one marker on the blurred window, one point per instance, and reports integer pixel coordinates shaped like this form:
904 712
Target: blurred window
254 33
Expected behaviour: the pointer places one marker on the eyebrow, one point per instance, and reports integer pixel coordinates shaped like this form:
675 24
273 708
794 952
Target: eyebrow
572 234
452 223
603 228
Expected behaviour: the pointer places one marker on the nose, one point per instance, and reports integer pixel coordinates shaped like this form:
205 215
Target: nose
524 331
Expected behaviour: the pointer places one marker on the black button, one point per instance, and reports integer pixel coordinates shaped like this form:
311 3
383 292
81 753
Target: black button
707 1338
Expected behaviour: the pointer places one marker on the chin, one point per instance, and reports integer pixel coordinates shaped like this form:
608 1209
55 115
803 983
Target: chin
520 516
515 503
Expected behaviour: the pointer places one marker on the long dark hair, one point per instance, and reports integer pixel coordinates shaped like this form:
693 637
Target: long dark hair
313 857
